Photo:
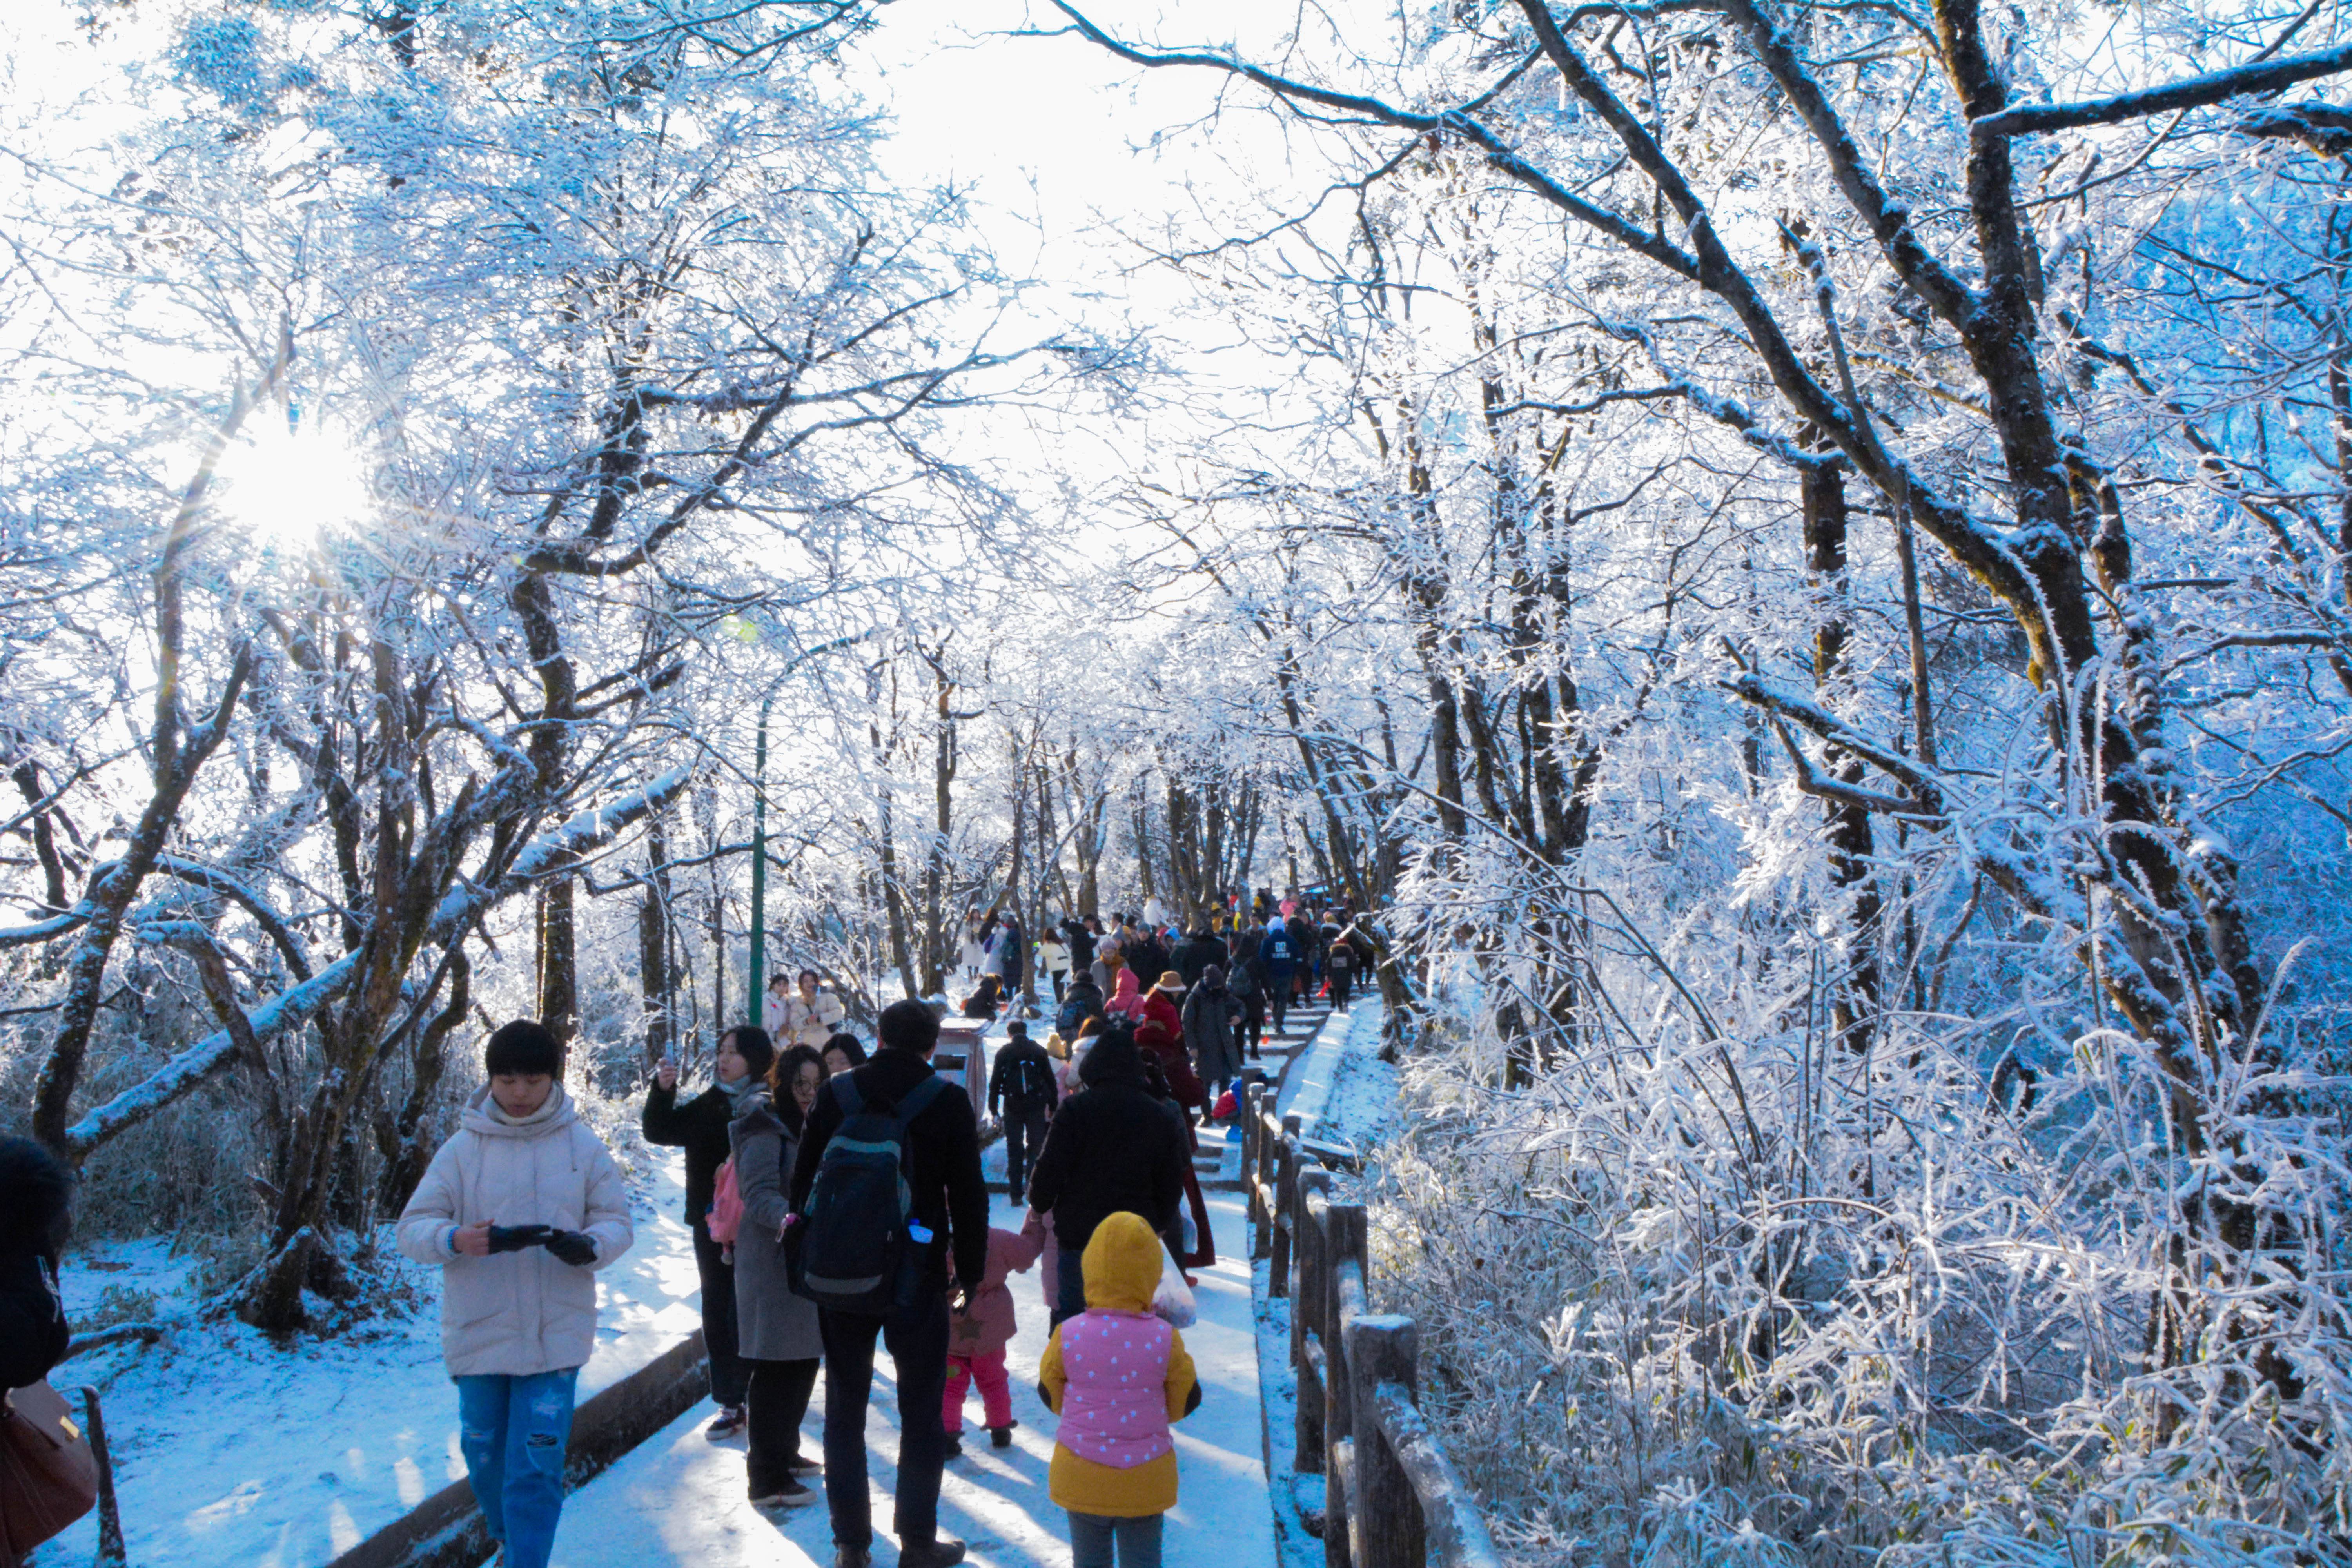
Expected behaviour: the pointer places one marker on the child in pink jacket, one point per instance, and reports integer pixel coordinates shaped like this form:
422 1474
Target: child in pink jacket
977 1337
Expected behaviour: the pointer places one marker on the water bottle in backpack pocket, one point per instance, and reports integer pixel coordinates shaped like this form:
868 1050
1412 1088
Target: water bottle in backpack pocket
860 1249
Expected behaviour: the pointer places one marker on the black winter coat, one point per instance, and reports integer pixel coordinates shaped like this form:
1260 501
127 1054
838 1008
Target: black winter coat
698 1127
33 1331
1111 1149
1148 959
948 1194
1082 946
1004 1080
1199 950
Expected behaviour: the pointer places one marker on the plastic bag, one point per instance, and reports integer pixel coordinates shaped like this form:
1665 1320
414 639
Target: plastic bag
1173 1302
726 1216
1191 1230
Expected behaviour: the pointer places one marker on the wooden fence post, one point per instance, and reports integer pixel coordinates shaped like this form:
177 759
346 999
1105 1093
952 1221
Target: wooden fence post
1347 1227
1286 1203
1383 1514
1250 1103
1307 1295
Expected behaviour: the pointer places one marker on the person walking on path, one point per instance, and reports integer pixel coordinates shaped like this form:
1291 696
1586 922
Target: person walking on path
1053 958
519 1208
1117 1376
36 1216
1197 952
1279 957
1085 1001
977 1335
1021 1097
1161 1033
1302 952
1146 957
1013 962
1213 1017
700 1126
1126 1002
1246 981
1082 936
1340 965
971 951
1113 1146
776 1328
948 1216
811 1014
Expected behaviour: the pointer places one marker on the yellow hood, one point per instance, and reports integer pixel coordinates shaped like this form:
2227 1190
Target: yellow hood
1122 1264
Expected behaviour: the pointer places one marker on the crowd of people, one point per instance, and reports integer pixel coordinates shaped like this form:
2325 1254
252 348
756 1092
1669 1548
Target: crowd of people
837 1203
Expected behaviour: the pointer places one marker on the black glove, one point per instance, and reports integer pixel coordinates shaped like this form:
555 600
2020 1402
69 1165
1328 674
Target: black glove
515 1238
576 1247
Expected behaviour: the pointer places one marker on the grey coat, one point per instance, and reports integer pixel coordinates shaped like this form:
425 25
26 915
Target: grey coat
1209 1016
771 1322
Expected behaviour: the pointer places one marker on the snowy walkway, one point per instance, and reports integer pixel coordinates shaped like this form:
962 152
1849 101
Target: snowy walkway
680 1500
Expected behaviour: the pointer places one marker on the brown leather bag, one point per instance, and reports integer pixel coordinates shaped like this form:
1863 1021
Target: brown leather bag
48 1477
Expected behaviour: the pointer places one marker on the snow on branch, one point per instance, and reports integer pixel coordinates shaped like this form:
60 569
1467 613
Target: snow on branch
542 857
2196 93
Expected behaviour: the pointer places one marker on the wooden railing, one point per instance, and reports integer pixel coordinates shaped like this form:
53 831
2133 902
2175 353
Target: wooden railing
1391 1498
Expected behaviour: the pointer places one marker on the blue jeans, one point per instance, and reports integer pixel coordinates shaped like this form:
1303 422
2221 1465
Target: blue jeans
513 1431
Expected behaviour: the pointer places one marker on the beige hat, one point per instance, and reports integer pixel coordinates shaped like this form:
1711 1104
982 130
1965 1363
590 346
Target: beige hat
1171 980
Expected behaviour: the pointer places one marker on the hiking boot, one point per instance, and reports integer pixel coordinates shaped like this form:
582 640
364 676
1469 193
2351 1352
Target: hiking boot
944 1553
728 1423
852 1557
953 1449
1002 1436
792 1494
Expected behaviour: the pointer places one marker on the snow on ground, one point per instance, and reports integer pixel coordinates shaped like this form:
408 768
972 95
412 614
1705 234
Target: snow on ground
1341 1089
681 1500
231 1453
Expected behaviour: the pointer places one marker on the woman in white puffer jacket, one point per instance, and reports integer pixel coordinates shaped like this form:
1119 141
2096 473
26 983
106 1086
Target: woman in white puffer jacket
519 1207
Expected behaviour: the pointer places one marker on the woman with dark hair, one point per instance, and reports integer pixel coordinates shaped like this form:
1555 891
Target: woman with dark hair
35 1214
843 1052
700 1126
776 1330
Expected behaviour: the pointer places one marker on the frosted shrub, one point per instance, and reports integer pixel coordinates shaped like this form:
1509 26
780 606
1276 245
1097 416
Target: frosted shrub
1730 1300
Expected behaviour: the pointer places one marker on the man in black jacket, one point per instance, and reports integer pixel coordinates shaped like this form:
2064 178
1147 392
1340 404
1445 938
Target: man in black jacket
1082 945
1194 955
950 1202
1022 1095
1113 1147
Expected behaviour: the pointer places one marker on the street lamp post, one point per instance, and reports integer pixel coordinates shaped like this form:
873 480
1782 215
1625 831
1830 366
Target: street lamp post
760 868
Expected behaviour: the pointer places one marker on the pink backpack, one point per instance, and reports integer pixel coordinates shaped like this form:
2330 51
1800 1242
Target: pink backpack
726 1216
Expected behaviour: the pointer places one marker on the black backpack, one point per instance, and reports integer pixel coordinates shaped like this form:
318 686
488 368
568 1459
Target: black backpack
855 1253
1032 1081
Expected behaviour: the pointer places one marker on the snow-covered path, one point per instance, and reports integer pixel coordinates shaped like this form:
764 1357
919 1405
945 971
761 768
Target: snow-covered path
680 1500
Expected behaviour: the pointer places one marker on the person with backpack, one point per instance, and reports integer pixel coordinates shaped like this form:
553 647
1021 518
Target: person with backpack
1278 956
1022 1096
1113 1146
776 1328
1340 965
700 1126
1085 1001
519 1208
1117 1376
888 1188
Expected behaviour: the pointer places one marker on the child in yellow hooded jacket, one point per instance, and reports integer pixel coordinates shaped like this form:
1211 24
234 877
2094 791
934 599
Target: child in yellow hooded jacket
1118 1377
